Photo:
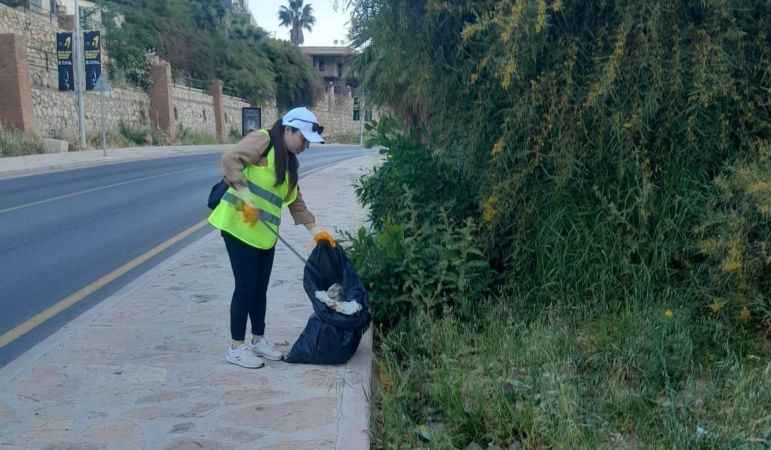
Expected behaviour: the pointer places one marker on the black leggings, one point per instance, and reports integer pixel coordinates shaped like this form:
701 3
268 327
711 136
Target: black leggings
251 269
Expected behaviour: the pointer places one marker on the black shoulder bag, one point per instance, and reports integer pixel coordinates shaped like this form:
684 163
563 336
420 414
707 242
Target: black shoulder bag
219 189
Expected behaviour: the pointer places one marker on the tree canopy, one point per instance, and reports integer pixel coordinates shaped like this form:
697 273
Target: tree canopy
203 40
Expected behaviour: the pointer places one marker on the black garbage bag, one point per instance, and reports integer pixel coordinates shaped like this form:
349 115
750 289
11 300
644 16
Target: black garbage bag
331 337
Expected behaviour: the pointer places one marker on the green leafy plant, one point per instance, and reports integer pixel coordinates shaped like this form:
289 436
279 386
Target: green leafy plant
412 265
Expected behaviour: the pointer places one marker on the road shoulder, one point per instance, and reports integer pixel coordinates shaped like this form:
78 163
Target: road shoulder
145 368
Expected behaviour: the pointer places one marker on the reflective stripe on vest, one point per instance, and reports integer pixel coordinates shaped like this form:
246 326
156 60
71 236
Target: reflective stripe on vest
264 215
263 193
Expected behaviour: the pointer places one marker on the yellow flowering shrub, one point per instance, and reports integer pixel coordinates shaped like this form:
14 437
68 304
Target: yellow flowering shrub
736 242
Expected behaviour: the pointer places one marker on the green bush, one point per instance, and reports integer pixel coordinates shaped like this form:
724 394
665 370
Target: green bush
203 41
433 183
580 134
15 143
613 156
413 265
134 135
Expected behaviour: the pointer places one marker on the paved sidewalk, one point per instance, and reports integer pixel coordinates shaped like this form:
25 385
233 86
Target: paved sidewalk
34 164
145 368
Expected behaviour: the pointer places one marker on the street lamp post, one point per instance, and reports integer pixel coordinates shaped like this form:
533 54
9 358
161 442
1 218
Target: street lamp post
80 75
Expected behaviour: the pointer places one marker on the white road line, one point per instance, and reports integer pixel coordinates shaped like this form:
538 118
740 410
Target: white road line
88 191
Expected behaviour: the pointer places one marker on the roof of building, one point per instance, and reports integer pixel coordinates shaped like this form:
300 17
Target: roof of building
342 51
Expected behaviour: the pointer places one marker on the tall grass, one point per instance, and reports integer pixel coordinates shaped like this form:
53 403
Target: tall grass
608 164
187 136
15 143
571 377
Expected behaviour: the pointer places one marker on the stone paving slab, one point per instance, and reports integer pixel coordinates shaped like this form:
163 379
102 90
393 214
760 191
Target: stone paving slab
145 368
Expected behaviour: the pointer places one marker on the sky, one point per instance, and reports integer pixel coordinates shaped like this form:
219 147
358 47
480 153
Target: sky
330 25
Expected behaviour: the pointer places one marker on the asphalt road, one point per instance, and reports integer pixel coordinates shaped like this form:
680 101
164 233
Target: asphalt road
62 231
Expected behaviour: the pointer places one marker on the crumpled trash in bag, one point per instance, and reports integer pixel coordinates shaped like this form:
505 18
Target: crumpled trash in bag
334 297
330 337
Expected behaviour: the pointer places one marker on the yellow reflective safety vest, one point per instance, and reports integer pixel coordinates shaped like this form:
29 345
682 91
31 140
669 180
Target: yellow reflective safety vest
262 193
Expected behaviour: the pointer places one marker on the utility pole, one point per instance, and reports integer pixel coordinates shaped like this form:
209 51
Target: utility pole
363 105
80 74
362 117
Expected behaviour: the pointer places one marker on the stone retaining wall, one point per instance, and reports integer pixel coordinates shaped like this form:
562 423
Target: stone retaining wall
194 109
54 113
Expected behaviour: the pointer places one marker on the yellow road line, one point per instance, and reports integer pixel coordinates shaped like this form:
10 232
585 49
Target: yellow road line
83 293
87 191
78 296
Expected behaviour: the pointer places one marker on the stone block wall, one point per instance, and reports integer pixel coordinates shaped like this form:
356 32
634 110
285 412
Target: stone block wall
270 114
194 109
232 109
40 33
54 113
335 112
38 30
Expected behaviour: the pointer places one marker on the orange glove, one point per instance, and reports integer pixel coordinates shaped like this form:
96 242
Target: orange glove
324 235
250 214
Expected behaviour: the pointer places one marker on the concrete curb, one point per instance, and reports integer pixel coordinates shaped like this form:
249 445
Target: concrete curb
354 406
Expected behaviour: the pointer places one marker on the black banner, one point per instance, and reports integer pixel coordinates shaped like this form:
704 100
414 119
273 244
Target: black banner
93 56
251 119
64 59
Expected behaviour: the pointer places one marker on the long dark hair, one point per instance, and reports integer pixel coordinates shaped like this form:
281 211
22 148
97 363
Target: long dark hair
285 160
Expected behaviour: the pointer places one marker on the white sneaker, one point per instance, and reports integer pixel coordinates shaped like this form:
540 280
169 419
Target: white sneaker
243 356
264 348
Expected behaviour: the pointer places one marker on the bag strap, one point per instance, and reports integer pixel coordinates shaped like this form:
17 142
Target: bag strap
270 146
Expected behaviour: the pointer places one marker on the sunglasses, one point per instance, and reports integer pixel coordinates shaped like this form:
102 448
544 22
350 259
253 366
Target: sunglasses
316 127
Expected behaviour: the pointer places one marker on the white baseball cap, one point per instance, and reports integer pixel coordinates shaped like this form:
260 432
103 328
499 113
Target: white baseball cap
304 120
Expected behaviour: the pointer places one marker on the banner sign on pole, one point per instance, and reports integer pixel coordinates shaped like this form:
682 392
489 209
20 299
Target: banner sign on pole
93 56
64 60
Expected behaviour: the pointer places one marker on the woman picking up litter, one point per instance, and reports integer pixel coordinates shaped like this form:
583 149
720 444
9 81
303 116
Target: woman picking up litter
262 177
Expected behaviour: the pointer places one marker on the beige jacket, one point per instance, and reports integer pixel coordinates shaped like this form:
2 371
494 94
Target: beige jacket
251 150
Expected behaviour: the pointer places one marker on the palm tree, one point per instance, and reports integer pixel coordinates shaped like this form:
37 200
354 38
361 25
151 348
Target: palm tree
297 17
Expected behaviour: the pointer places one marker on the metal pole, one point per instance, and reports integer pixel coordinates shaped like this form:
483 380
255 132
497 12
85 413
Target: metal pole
104 132
362 117
80 74
363 107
